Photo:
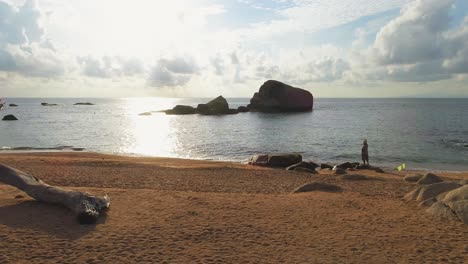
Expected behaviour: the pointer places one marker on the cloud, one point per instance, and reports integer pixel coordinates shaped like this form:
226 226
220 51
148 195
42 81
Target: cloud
420 45
23 47
172 72
110 67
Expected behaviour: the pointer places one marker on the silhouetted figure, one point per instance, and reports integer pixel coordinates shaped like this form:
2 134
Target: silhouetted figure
365 153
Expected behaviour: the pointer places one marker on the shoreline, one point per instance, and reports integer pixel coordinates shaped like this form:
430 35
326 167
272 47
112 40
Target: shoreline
71 149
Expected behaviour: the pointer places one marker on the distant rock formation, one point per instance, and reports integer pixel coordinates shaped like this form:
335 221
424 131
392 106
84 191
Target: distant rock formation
9 118
86 103
217 106
275 96
47 104
182 110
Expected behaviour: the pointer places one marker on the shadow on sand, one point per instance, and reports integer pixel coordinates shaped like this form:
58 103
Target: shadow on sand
54 220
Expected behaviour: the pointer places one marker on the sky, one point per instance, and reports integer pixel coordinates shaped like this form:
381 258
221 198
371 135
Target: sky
206 48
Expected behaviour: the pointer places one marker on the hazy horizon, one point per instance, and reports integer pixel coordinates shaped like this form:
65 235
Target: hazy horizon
206 48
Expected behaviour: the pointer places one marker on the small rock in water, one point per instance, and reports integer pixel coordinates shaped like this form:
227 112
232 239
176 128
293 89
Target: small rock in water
86 103
9 118
13 105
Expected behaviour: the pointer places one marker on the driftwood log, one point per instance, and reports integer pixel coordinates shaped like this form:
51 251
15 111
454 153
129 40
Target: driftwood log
86 206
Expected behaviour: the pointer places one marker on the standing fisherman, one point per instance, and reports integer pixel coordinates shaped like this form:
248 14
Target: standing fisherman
365 153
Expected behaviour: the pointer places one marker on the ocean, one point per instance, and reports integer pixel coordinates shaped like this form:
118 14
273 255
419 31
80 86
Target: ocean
423 133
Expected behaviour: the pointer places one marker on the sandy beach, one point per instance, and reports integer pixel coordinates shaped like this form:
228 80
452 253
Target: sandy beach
187 211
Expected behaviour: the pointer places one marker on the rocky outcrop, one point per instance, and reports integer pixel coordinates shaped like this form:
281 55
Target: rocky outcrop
425 192
318 186
274 96
276 160
446 199
182 110
217 106
9 118
429 178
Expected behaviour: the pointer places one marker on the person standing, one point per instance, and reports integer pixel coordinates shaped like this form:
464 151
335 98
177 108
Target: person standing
365 152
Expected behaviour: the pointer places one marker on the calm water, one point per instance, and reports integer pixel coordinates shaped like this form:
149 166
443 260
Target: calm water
424 133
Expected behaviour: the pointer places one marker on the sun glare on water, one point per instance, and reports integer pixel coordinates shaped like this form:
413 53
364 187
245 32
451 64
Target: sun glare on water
149 135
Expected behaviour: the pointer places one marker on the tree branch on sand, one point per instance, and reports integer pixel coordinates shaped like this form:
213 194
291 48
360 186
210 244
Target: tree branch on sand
86 206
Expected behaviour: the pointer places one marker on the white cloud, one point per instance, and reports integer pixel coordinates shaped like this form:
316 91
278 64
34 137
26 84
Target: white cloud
172 72
23 48
419 45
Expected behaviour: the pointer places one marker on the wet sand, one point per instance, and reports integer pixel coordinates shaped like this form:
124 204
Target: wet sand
188 211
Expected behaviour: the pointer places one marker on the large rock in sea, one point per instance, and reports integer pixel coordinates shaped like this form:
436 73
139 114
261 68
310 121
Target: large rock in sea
9 118
217 106
275 96
276 160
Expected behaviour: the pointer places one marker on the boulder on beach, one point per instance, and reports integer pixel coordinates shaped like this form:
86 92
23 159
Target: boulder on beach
429 178
276 160
12 105
182 110
433 190
303 164
318 186
84 103
453 205
338 171
413 178
348 165
326 166
9 118
275 96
